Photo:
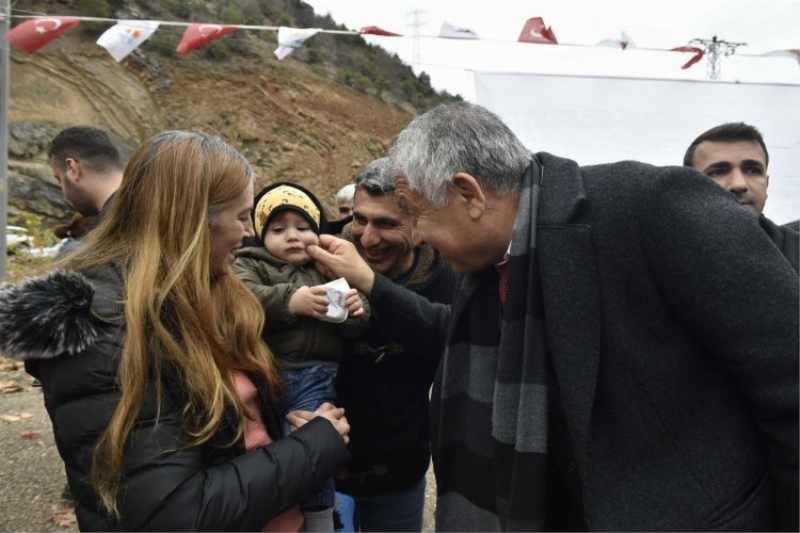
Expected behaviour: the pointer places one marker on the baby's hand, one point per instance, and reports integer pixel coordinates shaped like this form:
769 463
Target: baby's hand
353 303
309 301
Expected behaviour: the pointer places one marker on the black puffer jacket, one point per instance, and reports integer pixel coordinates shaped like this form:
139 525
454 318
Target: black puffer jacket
52 324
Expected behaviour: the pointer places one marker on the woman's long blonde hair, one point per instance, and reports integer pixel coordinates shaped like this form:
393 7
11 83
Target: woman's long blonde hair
159 229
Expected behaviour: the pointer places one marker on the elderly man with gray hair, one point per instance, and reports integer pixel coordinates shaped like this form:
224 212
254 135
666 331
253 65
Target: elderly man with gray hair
609 364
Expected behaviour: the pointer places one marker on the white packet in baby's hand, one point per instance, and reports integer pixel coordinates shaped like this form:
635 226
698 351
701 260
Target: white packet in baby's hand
337 289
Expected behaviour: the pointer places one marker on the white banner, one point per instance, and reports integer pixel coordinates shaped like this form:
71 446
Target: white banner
451 31
290 39
602 120
126 36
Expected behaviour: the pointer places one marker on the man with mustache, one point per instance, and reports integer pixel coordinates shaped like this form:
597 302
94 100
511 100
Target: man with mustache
385 376
735 157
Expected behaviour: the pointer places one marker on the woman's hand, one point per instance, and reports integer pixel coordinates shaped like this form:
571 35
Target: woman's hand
298 418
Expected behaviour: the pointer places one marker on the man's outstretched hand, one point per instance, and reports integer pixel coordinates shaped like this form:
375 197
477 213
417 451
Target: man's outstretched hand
337 258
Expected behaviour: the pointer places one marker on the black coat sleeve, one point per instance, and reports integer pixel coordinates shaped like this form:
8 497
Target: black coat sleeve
402 311
176 491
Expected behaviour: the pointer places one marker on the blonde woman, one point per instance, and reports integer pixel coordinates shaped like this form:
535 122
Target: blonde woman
161 392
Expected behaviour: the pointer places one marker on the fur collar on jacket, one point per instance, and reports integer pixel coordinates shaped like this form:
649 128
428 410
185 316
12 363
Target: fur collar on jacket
47 316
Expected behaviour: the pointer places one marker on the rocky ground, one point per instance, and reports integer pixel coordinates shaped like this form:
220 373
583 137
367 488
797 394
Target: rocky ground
31 470
288 122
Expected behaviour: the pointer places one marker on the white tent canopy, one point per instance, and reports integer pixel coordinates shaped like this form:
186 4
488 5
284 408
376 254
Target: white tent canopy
603 119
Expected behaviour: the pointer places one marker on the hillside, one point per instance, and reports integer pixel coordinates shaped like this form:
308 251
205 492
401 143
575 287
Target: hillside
291 118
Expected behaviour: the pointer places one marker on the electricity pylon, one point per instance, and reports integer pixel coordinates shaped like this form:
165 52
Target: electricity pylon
714 49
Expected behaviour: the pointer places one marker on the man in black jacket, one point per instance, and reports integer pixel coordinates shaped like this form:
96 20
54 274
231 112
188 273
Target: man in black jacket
385 376
735 157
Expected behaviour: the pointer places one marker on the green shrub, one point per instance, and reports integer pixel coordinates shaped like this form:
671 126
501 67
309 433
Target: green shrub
217 50
94 8
314 56
231 14
320 70
179 8
355 80
161 42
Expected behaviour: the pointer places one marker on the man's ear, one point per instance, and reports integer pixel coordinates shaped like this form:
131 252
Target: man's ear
469 192
415 238
74 171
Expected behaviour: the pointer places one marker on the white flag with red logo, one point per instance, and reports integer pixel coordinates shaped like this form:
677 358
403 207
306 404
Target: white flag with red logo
35 33
290 39
784 53
623 42
126 36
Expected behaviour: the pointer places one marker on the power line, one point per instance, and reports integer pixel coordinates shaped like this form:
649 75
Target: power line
714 49
416 23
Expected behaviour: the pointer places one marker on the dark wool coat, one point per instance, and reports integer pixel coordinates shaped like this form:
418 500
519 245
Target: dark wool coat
672 327
785 238
52 324
384 384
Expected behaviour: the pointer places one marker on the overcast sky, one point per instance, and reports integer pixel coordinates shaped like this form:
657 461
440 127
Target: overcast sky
764 25
654 26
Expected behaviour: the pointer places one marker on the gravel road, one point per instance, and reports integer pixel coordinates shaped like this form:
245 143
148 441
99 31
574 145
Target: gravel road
32 472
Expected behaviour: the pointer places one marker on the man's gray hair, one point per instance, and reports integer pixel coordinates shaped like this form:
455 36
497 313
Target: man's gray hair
377 178
346 193
459 137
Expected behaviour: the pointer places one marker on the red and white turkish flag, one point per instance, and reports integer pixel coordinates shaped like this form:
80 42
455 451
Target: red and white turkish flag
197 35
698 54
375 30
535 31
35 33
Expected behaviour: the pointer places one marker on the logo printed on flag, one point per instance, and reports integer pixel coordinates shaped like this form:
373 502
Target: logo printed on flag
197 35
35 33
535 31
126 36
41 25
290 39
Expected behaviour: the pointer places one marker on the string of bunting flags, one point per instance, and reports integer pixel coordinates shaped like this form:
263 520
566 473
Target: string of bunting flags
127 35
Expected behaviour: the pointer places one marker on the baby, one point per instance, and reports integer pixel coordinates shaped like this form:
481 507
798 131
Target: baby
308 347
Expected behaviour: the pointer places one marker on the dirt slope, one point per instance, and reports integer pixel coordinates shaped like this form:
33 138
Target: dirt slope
289 122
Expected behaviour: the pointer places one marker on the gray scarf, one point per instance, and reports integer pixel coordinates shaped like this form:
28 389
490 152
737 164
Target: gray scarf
490 399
